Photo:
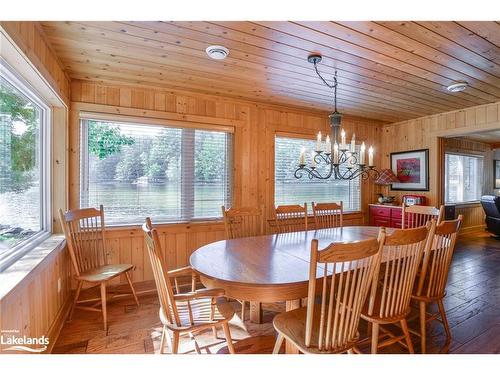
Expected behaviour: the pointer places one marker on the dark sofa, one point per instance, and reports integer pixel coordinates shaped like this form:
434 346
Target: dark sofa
491 207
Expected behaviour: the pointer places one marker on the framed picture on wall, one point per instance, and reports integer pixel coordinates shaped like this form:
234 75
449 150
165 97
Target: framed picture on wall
412 170
496 172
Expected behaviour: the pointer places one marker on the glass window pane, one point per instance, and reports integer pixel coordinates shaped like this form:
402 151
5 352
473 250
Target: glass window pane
170 174
20 191
290 190
463 178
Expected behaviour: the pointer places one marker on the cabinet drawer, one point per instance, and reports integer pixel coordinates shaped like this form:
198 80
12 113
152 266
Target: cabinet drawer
380 211
396 223
380 221
396 213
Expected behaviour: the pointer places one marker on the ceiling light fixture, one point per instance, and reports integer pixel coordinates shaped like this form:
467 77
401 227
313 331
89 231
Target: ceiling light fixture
335 158
217 52
457 87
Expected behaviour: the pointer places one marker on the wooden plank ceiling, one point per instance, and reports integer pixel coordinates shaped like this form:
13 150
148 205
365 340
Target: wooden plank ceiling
389 71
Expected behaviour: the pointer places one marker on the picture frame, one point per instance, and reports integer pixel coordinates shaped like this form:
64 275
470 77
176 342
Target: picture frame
412 169
496 174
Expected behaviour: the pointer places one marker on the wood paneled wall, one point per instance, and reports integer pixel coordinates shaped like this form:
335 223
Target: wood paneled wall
31 39
36 305
255 126
424 132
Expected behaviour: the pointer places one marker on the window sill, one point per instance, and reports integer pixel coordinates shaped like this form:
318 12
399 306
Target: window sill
18 271
201 222
465 204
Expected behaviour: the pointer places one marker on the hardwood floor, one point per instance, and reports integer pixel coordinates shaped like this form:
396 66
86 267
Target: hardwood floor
471 304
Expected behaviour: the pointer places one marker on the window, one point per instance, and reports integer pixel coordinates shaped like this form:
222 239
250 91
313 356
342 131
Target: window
289 190
463 178
171 174
24 172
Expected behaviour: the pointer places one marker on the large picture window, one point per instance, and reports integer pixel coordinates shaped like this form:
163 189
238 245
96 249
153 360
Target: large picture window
289 190
463 178
24 172
171 174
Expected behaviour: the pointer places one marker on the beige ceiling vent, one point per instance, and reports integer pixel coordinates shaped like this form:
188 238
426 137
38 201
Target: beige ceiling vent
217 52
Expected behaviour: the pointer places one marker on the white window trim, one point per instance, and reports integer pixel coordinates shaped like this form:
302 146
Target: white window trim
471 155
45 154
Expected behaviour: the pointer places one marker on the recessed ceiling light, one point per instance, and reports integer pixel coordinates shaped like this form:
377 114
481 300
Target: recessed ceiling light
457 87
217 52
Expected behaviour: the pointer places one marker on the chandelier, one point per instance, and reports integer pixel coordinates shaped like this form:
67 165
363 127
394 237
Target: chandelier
335 157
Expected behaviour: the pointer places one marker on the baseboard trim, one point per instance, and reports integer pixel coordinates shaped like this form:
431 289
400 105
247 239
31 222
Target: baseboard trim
472 229
58 324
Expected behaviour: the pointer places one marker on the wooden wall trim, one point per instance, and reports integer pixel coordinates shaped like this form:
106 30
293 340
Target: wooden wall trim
108 112
31 40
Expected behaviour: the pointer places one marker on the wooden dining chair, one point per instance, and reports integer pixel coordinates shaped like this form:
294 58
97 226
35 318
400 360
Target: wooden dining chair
416 216
389 300
291 218
332 325
85 235
431 286
184 313
328 215
243 222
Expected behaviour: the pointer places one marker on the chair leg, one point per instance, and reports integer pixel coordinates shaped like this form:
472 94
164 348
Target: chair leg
229 340
103 305
442 311
404 326
168 339
278 343
423 333
243 303
212 317
375 329
162 341
132 287
175 343
77 294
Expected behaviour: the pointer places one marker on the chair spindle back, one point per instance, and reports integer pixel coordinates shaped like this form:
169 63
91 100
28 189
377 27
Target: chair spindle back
418 216
162 280
344 290
291 218
328 215
243 222
437 259
402 254
85 235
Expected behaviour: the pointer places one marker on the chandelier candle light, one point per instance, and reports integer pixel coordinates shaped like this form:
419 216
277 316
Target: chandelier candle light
342 160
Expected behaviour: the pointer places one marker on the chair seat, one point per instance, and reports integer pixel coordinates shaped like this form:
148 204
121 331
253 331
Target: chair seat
200 312
104 273
376 316
424 298
292 325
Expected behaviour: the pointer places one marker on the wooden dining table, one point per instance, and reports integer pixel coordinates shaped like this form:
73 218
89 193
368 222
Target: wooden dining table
271 268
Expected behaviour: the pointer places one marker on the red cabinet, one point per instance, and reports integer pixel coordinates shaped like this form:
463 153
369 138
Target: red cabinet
385 216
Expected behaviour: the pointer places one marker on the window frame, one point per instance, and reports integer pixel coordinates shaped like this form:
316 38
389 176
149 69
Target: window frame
306 137
45 156
161 123
470 155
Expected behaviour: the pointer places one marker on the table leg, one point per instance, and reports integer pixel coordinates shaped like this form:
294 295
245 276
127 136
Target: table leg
256 312
292 305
